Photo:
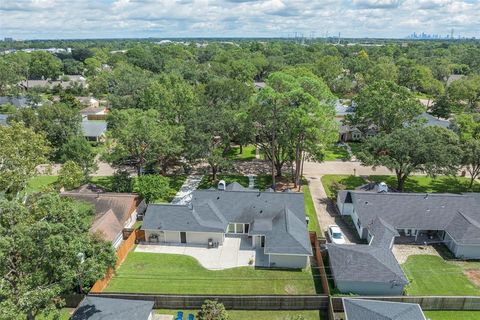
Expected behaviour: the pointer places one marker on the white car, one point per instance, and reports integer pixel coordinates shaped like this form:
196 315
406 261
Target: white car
335 234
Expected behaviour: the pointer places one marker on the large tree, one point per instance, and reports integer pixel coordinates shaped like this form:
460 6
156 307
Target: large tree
466 91
468 128
58 122
432 150
78 150
384 106
142 138
21 151
46 249
294 118
44 65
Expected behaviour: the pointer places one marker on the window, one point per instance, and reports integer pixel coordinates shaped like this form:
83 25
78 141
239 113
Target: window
247 227
239 228
231 228
359 225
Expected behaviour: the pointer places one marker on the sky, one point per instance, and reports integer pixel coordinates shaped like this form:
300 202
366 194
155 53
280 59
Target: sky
57 19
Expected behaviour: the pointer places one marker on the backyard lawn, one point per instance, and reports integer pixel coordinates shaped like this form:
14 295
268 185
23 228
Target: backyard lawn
261 315
432 275
452 315
180 274
331 183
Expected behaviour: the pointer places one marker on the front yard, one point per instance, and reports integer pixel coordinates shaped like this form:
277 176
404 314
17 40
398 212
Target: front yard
422 184
169 273
432 275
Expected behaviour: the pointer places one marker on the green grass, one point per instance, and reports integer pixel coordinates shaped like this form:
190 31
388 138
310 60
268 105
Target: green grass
249 315
39 183
452 315
175 182
356 147
421 184
336 153
313 224
248 153
170 273
64 315
432 275
208 183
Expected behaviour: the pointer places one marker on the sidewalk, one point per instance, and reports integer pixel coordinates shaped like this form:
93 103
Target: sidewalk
184 195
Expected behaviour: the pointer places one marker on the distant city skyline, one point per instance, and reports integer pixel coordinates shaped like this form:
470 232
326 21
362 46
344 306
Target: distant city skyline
64 19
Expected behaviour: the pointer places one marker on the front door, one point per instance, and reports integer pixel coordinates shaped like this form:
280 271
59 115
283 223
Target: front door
183 237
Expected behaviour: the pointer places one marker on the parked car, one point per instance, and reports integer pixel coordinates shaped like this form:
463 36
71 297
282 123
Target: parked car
335 234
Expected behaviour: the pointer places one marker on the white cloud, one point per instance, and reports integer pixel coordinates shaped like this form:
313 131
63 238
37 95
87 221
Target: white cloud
170 18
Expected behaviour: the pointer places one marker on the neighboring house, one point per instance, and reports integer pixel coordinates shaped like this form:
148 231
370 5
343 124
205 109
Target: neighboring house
433 121
274 221
453 219
72 80
19 102
94 130
97 308
89 101
454 77
94 113
113 211
381 217
362 309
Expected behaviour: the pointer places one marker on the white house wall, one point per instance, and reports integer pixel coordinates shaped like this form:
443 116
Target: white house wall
369 288
288 261
202 237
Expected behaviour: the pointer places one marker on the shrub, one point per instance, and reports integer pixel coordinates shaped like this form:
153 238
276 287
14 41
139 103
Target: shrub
213 310
70 176
122 182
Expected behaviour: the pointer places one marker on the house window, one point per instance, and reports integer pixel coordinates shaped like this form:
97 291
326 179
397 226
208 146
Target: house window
239 228
247 228
231 228
359 225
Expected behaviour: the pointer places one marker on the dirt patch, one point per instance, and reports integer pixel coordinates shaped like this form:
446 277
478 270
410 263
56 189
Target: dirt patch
473 275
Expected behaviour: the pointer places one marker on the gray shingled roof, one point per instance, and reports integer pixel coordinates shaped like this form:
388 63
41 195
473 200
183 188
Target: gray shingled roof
422 211
433 121
278 216
364 263
94 128
383 233
96 308
362 309
16 101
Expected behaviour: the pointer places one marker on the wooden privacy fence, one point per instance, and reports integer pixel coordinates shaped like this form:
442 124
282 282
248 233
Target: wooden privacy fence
468 303
234 302
122 252
319 260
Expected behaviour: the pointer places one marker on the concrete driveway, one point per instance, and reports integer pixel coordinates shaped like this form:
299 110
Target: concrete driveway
233 253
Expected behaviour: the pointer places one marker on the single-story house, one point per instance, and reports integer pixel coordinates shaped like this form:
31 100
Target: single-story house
363 309
94 113
65 84
94 130
274 221
98 308
453 219
366 270
89 101
19 102
113 211
433 121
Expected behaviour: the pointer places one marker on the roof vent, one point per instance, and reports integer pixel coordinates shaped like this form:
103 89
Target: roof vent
366 202
426 196
221 185
261 211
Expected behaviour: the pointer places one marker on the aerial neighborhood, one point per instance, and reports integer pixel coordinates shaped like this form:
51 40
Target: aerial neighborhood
212 178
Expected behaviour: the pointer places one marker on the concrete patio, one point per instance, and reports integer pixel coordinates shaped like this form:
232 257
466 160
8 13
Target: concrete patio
235 252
